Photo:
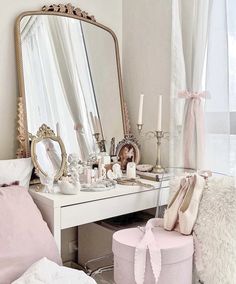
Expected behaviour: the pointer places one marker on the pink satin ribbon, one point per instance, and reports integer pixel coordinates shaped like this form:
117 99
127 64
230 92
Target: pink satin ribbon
78 127
192 95
193 129
149 243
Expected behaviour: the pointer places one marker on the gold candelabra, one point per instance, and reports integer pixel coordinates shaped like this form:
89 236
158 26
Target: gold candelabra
159 135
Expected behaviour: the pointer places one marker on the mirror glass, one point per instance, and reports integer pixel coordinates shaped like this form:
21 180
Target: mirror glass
49 156
71 80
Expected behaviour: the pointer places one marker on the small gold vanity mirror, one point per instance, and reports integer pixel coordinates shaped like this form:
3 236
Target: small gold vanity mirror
48 153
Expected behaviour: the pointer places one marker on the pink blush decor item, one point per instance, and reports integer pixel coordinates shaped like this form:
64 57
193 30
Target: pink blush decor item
167 258
24 236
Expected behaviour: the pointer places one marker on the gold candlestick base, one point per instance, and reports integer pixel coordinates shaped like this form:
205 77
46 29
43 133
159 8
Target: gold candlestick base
158 169
102 146
100 143
96 136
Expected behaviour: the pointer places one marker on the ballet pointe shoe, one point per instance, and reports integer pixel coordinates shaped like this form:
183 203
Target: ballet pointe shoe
171 213
188 210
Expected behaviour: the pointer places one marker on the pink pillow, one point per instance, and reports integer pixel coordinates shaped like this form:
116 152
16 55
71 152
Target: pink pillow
24 236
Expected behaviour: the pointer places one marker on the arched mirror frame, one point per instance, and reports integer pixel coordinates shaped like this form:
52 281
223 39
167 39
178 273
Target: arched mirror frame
45 132
66 11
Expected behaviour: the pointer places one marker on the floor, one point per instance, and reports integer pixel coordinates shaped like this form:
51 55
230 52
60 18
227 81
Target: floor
104 278
101 278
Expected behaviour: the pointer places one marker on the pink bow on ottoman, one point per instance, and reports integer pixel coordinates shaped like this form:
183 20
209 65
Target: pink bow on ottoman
149 243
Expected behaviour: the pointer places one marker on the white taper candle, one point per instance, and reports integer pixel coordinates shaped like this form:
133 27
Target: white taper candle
159 114
95 130
140 113
58 129
98 125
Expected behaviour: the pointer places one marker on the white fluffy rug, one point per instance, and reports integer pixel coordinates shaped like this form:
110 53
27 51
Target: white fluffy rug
215 230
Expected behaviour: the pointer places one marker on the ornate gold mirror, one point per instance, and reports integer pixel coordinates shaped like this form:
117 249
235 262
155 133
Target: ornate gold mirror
70 76
48 153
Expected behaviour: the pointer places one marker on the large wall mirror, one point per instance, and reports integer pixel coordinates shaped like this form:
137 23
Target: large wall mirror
69 76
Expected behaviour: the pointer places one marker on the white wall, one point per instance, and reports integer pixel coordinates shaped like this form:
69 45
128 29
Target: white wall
107 12
146 64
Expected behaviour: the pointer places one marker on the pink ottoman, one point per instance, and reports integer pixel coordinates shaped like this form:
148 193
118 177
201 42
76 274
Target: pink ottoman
176 254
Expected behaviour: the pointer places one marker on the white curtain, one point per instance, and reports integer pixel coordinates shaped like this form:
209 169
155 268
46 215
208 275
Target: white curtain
203 48
70 51
46 93
221 82
189 40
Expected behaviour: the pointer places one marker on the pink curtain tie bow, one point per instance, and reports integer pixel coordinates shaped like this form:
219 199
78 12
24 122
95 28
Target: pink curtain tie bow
193 95
193 129
149 243
79 128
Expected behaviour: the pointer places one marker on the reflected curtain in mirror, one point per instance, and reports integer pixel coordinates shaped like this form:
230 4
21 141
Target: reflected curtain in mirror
64 85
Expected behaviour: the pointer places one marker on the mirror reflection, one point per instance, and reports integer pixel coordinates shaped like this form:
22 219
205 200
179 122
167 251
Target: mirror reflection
71 80
49 156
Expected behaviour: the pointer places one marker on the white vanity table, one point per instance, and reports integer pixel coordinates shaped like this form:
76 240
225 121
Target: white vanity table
66 211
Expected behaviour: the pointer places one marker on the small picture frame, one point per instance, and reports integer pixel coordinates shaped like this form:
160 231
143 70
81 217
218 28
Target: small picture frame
128 150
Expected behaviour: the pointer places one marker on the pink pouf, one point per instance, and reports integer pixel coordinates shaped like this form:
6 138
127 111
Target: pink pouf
176 255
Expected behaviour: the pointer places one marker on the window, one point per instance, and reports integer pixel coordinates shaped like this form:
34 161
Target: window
220 81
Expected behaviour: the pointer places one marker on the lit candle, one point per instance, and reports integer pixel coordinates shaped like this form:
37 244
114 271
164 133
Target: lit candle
159 118
58 128
95 130
140 113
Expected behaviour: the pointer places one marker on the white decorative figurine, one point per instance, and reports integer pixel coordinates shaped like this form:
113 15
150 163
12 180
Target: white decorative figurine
115 173
71 185
47 181
111 175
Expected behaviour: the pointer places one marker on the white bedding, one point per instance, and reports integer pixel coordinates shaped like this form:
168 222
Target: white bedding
45 271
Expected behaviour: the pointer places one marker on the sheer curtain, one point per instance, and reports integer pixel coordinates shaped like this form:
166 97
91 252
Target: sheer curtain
221 82
189 39
203 39
44 93
70 52
47 89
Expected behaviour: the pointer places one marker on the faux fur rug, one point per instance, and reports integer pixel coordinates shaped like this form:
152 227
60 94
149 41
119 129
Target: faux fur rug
215 231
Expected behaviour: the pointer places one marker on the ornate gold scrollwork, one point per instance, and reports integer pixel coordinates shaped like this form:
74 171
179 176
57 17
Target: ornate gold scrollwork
68 9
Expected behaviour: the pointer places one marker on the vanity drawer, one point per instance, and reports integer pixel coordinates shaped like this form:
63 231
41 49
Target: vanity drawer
88 212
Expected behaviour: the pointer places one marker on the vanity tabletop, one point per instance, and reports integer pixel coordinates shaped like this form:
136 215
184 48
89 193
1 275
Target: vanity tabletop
60 200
